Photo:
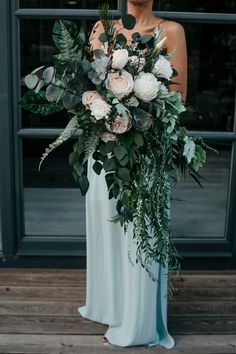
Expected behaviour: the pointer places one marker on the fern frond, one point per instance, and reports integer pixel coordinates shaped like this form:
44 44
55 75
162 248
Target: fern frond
69 130
68 47
90 145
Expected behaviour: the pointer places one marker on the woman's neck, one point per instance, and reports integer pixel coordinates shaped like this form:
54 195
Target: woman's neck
142 13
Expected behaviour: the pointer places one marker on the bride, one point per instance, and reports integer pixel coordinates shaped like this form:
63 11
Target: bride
118 293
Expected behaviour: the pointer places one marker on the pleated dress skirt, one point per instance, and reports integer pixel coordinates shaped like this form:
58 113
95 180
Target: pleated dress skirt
118 293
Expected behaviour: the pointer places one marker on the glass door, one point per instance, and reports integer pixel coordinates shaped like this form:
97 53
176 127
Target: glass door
47 209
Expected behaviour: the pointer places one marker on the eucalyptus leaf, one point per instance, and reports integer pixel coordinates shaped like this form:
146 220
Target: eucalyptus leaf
84 184
124 174
120 151
145 38
109 164
31 81
53 92
97 167
103 37
128 21
78 168
70 100
121 39
48 74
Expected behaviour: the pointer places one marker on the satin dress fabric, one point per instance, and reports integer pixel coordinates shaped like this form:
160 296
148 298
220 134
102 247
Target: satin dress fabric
119 293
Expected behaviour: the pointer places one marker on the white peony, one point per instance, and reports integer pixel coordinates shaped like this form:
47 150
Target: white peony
162 68
120 84
100 109
120 125
89 96
105 136
119 58
146 87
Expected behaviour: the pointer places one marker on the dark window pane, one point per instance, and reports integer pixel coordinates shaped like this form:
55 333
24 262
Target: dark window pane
53 202
64 4
211 76
37 48
211 72
201 213
196 5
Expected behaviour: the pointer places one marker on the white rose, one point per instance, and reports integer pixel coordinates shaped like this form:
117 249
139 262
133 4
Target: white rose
100 109
89 96
120 85
108 137
138 62
146 87
162 68
119 58
120 125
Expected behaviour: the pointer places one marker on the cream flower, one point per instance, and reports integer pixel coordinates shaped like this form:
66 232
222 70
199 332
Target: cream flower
162 68
146 87
119 58
100 109
89 96
120 85
120 125
138 62
105 136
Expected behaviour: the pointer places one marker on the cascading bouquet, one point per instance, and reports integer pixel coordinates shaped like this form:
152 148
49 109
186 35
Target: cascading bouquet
130 124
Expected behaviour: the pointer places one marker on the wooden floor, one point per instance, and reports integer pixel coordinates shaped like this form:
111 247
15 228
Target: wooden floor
38 314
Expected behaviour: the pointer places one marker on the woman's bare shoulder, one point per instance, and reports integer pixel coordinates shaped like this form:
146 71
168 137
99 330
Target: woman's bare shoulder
170 27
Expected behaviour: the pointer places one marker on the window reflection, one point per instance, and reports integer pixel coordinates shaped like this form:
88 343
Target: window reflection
64 4
197 5
211 76
200 213
53 203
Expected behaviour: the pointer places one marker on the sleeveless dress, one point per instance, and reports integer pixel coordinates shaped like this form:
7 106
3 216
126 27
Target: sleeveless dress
118 293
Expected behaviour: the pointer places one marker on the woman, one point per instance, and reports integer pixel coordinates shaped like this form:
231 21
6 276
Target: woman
119 294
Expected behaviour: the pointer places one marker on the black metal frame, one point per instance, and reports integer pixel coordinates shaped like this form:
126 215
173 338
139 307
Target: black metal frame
20 250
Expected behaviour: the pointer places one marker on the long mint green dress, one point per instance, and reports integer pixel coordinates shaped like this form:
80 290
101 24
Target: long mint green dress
118 293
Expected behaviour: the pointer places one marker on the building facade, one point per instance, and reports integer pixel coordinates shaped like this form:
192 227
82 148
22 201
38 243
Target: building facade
42 213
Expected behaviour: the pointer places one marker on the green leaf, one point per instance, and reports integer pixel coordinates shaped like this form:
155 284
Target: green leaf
70 100
145 38
97 167
78 168
58 28
126 140
199 157
115 190
84 184
109 177
38 104
123 173
138 139
103 37
124 161
73 157
109 164
136 36
120 151
109 146
128 21
121 39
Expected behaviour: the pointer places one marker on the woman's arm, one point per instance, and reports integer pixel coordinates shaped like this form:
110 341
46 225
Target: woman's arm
176 42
